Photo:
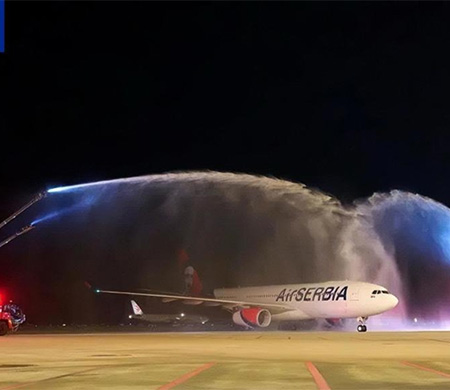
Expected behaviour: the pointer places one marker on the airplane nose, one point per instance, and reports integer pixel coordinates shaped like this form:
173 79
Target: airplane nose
394 300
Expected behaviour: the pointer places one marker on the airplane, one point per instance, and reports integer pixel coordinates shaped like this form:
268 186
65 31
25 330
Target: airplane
138 314
258 307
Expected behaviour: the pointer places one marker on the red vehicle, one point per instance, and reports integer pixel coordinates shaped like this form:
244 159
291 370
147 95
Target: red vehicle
11 317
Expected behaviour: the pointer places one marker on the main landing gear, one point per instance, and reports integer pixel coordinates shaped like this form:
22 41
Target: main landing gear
362 324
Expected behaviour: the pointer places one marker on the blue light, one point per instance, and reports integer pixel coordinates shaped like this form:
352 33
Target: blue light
78 186
2 26
85 201
135 179
75 186
58 189
45 218
61 189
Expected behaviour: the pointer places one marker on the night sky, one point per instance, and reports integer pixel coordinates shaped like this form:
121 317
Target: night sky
351 98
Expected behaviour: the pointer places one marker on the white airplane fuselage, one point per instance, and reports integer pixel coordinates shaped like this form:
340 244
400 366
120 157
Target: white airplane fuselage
339 299
254 307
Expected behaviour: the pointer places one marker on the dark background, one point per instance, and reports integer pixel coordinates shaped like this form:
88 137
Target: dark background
348 97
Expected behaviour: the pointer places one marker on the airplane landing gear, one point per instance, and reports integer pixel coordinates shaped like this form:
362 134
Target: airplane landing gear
362 328
362 324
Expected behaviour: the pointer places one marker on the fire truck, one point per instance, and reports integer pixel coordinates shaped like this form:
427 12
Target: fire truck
11 317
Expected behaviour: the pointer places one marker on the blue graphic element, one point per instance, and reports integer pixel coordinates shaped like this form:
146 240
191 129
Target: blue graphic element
2 26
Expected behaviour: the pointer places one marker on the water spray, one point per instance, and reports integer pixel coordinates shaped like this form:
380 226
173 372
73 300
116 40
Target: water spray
265 229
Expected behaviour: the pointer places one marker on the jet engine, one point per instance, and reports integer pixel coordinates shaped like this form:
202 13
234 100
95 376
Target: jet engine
252 317
333 321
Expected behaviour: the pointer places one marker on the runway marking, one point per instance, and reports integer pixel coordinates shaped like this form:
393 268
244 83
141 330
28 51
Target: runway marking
424 369
185 377
317 376
32 383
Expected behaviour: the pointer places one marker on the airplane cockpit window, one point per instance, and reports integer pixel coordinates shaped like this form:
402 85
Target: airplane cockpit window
374 292
385 291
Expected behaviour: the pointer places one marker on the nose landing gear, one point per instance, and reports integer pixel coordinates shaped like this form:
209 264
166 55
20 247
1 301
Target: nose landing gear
362 324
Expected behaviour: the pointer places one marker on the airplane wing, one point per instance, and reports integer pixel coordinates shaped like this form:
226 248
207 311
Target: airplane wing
275 308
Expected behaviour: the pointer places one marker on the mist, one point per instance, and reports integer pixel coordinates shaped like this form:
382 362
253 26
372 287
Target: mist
237 229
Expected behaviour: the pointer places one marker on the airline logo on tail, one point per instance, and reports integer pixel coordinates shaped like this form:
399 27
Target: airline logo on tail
192 283
136 309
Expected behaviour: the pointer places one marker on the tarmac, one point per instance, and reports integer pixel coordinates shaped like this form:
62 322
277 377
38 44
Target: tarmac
226 360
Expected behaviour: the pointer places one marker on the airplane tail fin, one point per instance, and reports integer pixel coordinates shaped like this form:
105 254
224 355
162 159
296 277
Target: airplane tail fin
192 284
136 309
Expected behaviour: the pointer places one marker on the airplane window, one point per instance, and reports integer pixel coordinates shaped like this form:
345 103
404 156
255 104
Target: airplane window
384 292
378 292
374 292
